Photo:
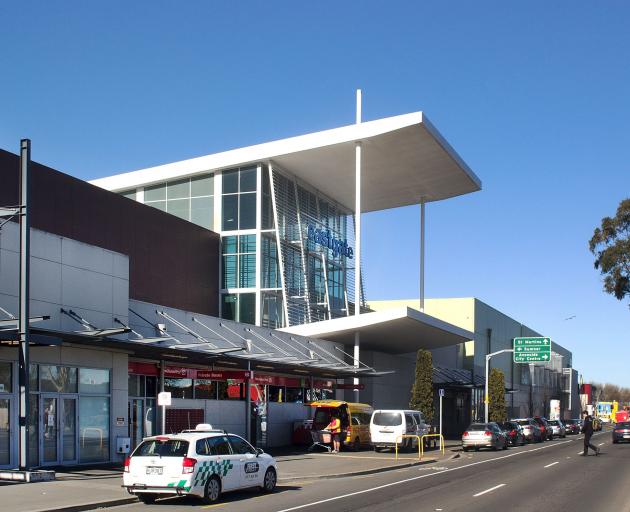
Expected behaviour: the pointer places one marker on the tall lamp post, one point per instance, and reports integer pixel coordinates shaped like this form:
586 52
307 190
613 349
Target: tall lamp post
488 357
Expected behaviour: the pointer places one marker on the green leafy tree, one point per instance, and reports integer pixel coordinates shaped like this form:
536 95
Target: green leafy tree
496 396
611 246
422 390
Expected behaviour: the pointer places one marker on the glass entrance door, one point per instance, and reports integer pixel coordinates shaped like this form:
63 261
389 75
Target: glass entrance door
68 429
58 427
50 429
6 438
136 423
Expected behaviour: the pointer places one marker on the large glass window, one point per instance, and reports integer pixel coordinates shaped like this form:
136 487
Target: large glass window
240 307
58 379
272 314
189 198
239 261
92 380
93 429
239 199
270 267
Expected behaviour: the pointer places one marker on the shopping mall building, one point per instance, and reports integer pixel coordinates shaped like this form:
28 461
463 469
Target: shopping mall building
231 280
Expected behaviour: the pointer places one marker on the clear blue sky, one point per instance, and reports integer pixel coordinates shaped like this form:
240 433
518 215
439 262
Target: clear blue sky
533 95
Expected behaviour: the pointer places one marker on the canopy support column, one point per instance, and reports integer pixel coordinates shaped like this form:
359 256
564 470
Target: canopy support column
422 220
357 250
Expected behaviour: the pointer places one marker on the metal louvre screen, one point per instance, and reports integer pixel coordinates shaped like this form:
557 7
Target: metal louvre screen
316 247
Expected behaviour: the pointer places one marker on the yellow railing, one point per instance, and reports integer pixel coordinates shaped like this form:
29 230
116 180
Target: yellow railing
399 438
431 435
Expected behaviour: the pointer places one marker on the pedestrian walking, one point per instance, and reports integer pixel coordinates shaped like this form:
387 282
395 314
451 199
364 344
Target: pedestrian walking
587 430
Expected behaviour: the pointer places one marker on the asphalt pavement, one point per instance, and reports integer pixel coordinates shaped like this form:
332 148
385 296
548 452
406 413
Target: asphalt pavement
546 476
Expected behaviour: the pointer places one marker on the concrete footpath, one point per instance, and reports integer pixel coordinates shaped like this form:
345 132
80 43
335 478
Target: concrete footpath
87 489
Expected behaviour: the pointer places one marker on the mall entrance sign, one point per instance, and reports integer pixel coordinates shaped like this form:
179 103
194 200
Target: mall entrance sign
532 350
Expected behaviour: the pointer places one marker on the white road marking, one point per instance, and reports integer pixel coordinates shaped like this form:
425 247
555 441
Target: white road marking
489 490
552 464
601 444
413 479
581 452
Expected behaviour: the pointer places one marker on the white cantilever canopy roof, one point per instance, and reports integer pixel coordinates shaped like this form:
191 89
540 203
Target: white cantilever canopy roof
395 331
404 160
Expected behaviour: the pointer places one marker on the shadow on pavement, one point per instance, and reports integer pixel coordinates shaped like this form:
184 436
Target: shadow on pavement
228 497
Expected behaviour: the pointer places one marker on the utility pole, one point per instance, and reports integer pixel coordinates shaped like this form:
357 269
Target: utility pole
23 323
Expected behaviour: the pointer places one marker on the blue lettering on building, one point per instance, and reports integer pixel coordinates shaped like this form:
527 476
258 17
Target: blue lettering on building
325 238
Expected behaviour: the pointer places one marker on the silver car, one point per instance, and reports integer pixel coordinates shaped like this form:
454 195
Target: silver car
557 428
531 430
484 435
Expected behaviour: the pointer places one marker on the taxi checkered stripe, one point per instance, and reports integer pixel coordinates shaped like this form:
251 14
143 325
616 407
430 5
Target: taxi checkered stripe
208 468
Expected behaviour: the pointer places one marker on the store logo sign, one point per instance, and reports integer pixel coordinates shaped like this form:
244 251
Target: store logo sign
325 238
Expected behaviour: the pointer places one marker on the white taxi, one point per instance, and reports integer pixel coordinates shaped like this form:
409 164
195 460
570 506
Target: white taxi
203 462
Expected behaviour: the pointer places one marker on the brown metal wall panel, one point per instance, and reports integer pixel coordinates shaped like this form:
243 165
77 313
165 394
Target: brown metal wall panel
171 262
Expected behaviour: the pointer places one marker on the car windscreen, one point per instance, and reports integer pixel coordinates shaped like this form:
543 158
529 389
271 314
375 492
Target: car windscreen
478 426
387 419
168 448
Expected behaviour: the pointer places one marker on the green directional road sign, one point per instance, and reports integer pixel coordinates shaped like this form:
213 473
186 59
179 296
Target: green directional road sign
532 350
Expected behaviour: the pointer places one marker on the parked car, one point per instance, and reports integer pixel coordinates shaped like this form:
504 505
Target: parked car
514 432
545 429
355 421
557 428
621 432
203 462
484 435
531 430
388 425
572 426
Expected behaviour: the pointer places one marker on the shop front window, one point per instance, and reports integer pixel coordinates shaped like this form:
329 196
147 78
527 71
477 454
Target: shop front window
179 388
205 389
6 377
58 379
94 381
93 429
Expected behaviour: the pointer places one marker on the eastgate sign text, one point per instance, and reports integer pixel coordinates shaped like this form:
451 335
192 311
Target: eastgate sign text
325 238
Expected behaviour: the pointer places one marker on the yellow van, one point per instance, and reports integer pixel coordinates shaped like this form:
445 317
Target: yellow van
355 420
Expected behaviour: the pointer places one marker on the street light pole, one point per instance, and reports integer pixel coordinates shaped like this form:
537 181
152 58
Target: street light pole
488 357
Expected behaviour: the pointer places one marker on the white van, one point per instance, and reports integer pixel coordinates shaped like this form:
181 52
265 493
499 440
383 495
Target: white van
387 425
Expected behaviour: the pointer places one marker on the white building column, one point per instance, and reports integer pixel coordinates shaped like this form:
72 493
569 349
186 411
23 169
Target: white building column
422 219
357 243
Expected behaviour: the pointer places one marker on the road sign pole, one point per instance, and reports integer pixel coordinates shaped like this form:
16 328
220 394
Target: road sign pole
441 397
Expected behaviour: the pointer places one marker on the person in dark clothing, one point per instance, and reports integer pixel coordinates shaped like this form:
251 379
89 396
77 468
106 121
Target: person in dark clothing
587 430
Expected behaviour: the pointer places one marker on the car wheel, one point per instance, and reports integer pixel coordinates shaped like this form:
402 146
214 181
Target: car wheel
270 481
147 499
356 446
212 492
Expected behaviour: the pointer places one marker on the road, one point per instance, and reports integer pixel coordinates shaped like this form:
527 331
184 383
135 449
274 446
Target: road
547 476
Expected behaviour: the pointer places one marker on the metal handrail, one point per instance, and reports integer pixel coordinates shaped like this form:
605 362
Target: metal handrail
409 435
431 435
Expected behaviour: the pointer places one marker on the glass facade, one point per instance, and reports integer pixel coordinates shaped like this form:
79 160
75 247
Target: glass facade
191 199
287 255
69 414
